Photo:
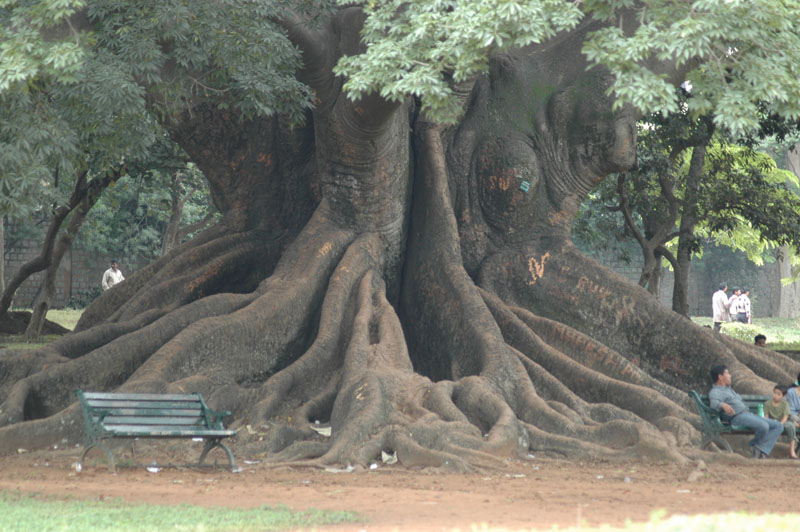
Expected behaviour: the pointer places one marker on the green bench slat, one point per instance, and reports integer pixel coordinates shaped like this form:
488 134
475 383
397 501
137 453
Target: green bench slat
158 412
143 396
194 405
161 431
110 421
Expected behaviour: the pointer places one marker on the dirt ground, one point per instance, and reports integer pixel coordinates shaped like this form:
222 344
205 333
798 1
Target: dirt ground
536 493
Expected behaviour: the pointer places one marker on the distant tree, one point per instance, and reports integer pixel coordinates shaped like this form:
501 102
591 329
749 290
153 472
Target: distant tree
84 191
65 138
57 242
163 200
186 189
686 187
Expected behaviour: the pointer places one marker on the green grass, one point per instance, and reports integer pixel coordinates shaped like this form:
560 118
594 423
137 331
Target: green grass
33 513
67 317
36 513
782 333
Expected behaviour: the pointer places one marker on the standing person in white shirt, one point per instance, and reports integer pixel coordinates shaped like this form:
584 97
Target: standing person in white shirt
733 302
736 306
720 306
112 276
743 307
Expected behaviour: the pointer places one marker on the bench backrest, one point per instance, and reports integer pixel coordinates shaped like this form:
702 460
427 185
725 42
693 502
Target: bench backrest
711 416
144 409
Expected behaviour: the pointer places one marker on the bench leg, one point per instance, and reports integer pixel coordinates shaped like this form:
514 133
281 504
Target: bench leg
210 444
718 439
109 455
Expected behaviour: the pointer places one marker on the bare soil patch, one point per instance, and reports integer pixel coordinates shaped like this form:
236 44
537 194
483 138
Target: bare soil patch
537 493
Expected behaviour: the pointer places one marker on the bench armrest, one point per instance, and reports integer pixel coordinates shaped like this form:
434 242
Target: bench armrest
216 415
709 416
88 411
213 417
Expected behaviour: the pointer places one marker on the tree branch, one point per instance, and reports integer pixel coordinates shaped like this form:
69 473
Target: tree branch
626 211
667 254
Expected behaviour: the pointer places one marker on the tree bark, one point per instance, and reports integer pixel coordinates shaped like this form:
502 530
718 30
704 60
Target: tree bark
3 249
654 283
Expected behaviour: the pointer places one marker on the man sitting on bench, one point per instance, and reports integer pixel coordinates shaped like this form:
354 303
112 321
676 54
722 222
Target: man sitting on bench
734 411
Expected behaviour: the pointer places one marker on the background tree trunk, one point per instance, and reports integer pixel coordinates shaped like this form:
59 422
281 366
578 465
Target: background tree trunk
47 292
686 238
654 284
3 249
43 260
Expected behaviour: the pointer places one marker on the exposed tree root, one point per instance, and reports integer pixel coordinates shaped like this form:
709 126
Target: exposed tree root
591 385
163 352
110 301
226 258
214 267
776 367
16 366
46 392
563 285
15 322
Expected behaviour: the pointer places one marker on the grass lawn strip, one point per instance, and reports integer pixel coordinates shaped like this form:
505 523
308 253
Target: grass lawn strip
36 513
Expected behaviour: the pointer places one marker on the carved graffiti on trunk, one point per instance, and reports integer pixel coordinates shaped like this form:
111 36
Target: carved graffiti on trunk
537 267
501 182
672 363
265 159
586 285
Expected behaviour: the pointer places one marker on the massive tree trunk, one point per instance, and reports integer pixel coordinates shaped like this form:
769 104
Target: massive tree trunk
412 286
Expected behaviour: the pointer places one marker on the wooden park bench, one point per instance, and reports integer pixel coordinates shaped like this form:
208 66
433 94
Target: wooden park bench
146 415
714 427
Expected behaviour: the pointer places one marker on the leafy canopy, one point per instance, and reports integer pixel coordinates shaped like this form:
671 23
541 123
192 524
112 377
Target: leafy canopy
420 47
232 52
736 53
36 40
84 84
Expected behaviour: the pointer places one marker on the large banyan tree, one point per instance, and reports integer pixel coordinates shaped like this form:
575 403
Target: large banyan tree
394 254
